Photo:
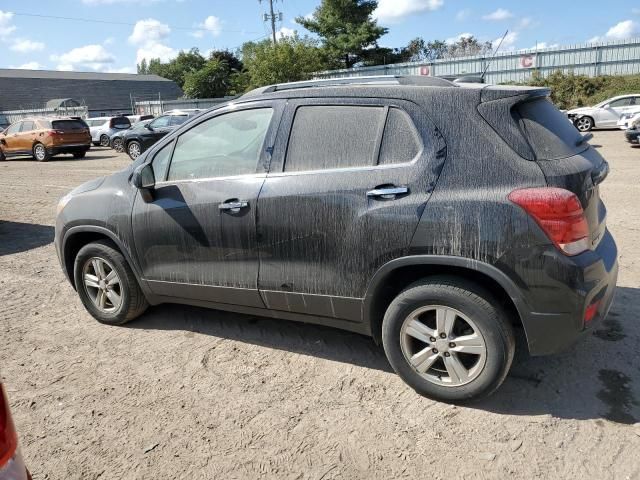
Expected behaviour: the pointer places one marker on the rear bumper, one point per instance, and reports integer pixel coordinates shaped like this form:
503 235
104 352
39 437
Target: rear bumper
72 148
15 469
571 286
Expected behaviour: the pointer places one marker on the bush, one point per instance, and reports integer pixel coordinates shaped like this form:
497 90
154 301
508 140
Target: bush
570 91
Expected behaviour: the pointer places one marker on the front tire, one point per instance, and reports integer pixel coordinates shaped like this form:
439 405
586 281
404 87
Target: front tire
134 149
106 284
584 124
118 145
104 141
448 340
2 156
40 153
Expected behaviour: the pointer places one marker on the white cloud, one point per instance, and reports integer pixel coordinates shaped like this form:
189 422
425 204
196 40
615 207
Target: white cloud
94 57
542 45
64 67
525 22
509 41
458 37
620 31
149 31
498 15
24 45
396 10
121 70
155 50
463 14
114 2
6 28
29 66
211 24
285 32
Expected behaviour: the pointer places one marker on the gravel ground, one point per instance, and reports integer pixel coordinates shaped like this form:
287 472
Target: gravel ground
193 393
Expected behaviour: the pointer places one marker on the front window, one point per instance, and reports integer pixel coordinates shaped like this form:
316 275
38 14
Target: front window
161 122
15 128
226 145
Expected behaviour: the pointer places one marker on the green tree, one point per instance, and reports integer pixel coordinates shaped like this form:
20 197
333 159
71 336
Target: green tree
142 67
179 67
211 81
346 28
291 59
467 46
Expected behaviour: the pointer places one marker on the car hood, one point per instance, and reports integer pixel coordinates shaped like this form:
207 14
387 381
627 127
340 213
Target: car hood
88 186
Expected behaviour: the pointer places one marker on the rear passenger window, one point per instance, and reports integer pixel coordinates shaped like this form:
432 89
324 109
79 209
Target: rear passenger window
549 132
401 142
324 137
27 126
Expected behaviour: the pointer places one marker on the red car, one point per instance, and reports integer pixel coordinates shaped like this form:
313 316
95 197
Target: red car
11 463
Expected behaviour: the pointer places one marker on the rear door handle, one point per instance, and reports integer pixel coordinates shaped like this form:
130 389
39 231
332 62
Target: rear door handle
233 206
387 193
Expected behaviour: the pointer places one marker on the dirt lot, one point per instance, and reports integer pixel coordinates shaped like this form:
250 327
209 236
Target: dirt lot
192 393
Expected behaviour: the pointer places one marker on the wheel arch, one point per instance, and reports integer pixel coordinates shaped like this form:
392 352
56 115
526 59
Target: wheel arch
77 237
396 275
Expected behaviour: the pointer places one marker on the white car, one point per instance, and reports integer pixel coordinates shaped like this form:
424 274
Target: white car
629 120
605 114
102 128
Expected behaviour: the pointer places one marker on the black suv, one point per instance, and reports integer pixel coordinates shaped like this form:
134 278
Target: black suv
362 206
136 141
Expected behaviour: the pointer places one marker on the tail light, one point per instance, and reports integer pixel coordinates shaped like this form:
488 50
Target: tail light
53 133
8 437
590 311
559 214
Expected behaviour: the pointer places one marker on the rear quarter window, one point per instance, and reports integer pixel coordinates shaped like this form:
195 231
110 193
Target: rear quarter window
548 131
120 122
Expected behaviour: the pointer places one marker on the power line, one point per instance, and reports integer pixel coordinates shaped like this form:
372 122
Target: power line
113 22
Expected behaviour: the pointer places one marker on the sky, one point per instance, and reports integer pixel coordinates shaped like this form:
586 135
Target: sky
114 35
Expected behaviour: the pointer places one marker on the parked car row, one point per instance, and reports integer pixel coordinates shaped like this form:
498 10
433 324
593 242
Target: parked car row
611 113
137 138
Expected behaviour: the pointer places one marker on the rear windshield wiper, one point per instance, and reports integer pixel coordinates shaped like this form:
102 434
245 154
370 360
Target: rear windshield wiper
583 139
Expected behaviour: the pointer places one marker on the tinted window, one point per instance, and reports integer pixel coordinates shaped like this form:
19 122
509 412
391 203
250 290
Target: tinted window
15 128
227 145
160 162
120 122
622 102
28 126
178 119
161 122
549 132
333 137
67 125
401 141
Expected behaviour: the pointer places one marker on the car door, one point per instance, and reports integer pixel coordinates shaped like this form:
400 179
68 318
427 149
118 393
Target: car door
11 140
611 113
157 129
196 239
341 199
27 136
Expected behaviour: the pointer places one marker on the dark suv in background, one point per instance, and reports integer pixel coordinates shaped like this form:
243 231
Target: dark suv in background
137 140
358 204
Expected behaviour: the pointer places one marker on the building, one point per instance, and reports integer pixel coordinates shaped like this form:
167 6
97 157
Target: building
102 93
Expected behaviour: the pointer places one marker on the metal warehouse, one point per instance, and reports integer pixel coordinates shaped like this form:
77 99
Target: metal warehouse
102 93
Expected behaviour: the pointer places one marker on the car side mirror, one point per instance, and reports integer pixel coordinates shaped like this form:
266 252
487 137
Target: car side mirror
148 126
607 106
144 180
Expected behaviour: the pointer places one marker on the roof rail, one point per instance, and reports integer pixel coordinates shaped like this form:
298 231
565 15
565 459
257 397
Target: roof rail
364 80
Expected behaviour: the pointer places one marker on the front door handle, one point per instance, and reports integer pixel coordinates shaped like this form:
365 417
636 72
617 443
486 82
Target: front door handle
233 206
387 193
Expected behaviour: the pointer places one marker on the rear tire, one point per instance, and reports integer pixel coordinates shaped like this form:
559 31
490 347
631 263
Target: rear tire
106 284
79 155
584 124
104 141
428 359
118 145
40 153
2 156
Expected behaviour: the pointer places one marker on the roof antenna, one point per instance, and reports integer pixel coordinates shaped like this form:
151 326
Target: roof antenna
486 67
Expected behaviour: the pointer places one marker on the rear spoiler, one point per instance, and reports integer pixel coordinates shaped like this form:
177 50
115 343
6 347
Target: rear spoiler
515 92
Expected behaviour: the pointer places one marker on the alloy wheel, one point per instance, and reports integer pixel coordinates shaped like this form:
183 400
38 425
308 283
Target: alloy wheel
583 124
40 152
102 284
134 150
117 145
443 346
104 141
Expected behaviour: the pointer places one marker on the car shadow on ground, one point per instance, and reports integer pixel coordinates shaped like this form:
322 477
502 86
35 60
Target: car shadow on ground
16 237
593 380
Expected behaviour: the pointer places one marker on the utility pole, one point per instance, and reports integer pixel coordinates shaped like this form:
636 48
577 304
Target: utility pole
272 17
